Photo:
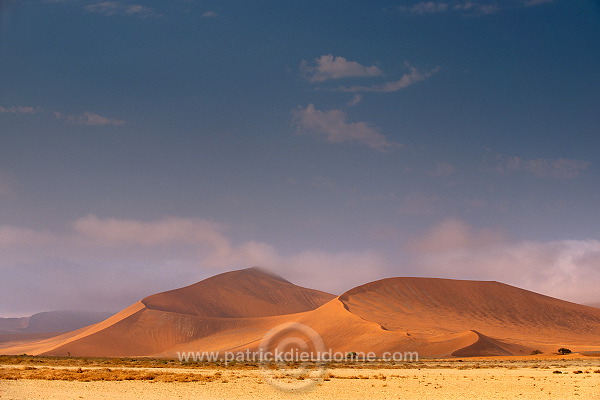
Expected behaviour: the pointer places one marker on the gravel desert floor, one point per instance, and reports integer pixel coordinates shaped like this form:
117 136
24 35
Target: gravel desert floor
471 379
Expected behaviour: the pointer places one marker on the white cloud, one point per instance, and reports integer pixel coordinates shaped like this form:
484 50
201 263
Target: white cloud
19 110
408 79
137 9
89 119
336 129
567 269
477 7
560 168
329 67
467 7
112 231
425 7
452 234
105 7
109 8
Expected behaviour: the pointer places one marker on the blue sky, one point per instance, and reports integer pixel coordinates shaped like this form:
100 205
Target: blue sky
145 145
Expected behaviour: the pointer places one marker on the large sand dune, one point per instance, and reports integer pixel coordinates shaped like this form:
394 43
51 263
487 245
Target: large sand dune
434 317
425 306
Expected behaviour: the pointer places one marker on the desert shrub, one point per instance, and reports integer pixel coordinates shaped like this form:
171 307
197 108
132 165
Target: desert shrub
535 352
564 351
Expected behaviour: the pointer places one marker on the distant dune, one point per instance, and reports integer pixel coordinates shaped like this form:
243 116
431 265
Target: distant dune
43 325
435 317
51 321
11 325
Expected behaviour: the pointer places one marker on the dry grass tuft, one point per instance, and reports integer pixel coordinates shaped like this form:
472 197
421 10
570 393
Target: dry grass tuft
102 374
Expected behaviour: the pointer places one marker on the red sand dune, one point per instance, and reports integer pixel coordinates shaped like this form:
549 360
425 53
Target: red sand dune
428 305
434 317
239 294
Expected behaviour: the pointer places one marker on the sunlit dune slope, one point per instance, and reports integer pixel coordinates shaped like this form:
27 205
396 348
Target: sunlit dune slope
239 294
429 306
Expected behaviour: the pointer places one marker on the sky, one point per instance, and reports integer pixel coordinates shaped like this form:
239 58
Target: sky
146 145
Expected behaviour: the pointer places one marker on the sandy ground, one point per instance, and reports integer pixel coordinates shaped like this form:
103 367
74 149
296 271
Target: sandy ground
505 381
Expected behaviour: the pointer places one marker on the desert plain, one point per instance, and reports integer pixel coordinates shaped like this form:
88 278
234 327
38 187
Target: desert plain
544 377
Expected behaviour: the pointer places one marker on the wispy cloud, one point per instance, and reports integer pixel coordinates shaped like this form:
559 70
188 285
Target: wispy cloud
466 7
425 7
89 119
329 67
561 168
109 263
19 110
530 3
137 9
210 14
435 7
476 8
333 125
408 79
355 100
105 7
109 8
567 269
